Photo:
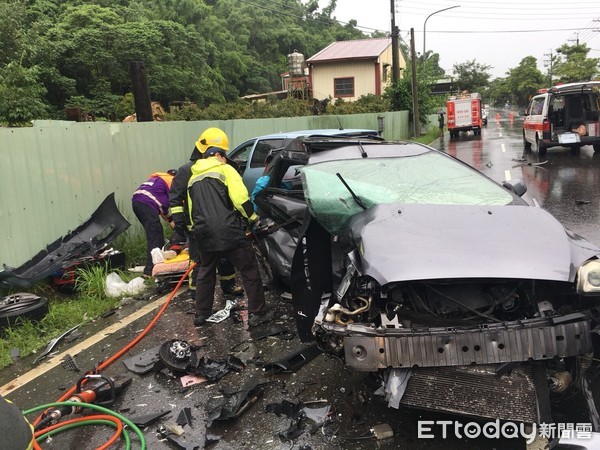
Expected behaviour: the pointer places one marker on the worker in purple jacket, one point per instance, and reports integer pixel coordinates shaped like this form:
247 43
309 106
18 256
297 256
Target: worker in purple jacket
150 202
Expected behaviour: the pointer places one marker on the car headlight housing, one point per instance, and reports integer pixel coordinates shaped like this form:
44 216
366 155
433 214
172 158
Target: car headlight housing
588 277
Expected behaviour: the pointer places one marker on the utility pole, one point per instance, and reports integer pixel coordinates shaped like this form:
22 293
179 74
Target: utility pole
141 92
395 48
550 62
415 94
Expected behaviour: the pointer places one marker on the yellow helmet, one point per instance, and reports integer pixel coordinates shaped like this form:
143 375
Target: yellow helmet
212 137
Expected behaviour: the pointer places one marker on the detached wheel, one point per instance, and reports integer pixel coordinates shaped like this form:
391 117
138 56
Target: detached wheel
22 305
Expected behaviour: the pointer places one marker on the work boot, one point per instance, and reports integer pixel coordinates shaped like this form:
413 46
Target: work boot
259 318
233 290
199 320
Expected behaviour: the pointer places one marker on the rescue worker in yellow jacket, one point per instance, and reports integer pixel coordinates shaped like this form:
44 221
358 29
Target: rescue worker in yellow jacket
150 202
178 208
220 210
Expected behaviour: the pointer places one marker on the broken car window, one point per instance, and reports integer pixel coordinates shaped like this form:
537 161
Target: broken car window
429 178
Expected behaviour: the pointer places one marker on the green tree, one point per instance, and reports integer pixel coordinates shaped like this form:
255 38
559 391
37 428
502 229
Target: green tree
400 95
523 81
21 94
574 65
472 76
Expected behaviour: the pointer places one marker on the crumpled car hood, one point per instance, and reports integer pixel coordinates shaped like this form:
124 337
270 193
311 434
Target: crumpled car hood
402 242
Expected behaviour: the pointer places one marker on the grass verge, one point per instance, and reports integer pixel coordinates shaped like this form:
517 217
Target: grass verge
64 313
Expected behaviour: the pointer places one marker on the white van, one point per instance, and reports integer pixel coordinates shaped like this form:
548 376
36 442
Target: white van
564 115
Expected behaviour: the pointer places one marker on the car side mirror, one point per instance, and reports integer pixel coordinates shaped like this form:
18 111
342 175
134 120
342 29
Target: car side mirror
517 187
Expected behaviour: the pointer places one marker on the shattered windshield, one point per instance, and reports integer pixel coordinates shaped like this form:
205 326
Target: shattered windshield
429 178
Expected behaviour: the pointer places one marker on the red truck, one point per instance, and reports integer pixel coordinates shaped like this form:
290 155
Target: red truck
464 113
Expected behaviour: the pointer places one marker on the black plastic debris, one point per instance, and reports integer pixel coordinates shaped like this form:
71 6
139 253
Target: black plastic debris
316 417
214 370
285 408
276 330
148 419
303 417
105 224
232 404
144 362
294 361
185 417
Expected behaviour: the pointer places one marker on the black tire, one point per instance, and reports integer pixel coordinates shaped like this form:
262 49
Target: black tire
541 148
526 143
597 147
22 305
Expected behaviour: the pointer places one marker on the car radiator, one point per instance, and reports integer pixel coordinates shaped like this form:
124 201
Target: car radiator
478 391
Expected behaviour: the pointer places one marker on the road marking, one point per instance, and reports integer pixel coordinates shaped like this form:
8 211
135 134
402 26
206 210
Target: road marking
51 363
503 148
507 175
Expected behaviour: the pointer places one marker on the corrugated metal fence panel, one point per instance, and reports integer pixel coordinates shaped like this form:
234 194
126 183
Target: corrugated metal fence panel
55 174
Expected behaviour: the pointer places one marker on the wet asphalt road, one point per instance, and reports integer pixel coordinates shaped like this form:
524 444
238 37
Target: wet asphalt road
564 184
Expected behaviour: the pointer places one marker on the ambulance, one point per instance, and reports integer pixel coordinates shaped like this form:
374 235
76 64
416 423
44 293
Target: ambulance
464 113
565 115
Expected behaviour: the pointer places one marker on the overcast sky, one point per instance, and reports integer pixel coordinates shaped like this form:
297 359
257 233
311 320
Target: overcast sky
497 33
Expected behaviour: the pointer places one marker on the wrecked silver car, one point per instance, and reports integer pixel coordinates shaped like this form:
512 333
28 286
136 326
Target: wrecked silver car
412 264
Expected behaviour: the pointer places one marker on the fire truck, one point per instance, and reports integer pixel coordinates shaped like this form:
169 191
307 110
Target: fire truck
464 113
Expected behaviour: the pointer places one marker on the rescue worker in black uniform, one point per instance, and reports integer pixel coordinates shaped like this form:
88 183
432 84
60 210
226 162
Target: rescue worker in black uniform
220 211
16 431
181 218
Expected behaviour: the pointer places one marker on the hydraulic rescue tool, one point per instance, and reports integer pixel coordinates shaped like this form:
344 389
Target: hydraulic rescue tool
92 388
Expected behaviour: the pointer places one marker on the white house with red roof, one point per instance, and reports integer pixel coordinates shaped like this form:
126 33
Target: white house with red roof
350 69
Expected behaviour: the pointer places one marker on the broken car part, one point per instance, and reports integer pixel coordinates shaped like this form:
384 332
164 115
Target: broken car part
105 224
143 362
178 355
185 417
53 343
22 305
148 419
214 370
276 330
223 314
69 363
294 361
382 431
234 403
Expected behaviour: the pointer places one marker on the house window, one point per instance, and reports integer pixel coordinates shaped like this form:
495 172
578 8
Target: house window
343 87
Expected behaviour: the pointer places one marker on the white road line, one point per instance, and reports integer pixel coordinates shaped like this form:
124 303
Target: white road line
51 363
507 175
503 148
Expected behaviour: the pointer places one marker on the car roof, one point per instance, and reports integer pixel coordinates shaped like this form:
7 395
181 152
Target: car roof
320 132
574 87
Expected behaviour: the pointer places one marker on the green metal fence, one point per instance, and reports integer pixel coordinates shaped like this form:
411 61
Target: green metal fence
56 173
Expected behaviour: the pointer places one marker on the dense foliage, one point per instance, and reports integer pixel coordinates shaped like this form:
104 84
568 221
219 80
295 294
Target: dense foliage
78 53
204 54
